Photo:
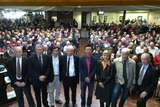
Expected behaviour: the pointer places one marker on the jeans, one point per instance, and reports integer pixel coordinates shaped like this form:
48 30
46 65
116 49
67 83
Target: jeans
90 86
119 89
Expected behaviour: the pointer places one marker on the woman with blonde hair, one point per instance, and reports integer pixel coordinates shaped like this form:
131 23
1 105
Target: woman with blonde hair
105 79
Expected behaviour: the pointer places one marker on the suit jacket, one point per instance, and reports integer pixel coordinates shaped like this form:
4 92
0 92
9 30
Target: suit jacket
52 68
36 70
11 70
149 81
119 71
84 70
63 67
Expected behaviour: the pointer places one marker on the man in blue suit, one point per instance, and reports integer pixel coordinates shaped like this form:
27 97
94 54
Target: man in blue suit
87 71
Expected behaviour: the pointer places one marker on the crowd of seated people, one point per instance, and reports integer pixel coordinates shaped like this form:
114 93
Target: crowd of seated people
138 37
14 33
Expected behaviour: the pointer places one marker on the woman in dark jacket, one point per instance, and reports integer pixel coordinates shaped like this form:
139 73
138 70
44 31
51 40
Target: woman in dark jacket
105 80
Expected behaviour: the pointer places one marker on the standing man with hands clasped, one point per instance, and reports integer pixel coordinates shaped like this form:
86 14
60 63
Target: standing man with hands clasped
125 69
87 71
40 74
17 69
146 80
55 85
69 75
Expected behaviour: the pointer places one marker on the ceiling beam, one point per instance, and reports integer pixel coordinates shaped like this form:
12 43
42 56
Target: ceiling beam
76 2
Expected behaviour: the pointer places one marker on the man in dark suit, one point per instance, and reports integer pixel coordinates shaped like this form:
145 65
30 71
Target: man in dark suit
146 80
40 74
69 75
17 69
55 85
87 70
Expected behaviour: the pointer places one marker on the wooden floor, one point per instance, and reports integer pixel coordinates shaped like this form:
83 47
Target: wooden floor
130 102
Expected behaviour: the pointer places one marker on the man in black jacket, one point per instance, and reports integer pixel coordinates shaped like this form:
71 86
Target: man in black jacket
146 80
69 75
40 74
17 69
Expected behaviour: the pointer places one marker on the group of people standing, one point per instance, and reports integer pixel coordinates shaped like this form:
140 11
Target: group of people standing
46 73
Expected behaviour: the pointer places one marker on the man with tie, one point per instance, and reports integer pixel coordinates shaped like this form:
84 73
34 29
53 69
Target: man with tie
40 74
17 69
125 77
69 75
88 65
146 80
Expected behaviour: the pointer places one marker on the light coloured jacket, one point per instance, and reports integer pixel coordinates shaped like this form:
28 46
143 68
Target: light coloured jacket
131 71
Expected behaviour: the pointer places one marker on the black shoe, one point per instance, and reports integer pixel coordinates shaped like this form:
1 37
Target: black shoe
52 106
158 98
58 102
66 105
74 105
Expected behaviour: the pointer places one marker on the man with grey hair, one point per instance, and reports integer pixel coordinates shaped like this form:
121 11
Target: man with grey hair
125 77
69 75
146 80
18 72
40 74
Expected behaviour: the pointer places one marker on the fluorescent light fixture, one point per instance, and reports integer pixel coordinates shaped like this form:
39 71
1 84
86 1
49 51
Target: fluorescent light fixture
101 12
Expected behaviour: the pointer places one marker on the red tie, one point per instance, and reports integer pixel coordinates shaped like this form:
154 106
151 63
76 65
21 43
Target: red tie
88 59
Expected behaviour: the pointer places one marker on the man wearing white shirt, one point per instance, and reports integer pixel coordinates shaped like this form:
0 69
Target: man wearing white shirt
55 84
153 49
139 49
69 75
146 80
17 69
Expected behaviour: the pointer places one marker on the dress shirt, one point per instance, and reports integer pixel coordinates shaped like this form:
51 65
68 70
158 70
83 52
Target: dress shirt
145 69
55 62
20 61
88 61
139 50
71 66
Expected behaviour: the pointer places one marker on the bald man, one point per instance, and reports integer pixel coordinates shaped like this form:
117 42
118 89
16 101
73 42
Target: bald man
17 69
69 75
146 80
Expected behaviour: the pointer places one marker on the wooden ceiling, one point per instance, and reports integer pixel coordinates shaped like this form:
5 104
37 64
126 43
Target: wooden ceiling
76 2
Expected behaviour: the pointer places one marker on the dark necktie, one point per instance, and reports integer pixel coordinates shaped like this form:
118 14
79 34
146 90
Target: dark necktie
40 61
68 63
18 69
140 76
124 71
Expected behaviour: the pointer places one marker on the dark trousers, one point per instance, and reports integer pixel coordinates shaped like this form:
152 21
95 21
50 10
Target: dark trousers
70 82
19 96
141 102
39 90
90 86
